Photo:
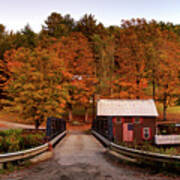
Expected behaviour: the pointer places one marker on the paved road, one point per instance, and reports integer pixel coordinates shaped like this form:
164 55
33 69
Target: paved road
82 157
8 125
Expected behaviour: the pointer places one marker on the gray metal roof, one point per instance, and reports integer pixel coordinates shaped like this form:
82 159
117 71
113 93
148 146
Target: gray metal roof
119 107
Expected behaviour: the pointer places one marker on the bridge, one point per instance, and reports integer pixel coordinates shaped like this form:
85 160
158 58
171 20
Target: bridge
81 156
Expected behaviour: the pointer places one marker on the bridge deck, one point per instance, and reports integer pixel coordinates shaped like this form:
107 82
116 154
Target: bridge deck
81 157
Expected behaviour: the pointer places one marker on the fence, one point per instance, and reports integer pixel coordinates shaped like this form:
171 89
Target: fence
103 126
167 139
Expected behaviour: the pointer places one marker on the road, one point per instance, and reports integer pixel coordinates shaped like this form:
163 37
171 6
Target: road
81 157
10 125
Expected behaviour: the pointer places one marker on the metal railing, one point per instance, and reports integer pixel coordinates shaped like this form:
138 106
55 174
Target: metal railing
8 157
25 154
54 126
56 130
138 154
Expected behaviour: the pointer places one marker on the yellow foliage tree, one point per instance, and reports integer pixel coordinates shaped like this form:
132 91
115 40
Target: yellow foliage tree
36 86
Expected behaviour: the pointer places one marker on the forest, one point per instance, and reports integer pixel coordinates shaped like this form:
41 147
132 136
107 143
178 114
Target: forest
72 63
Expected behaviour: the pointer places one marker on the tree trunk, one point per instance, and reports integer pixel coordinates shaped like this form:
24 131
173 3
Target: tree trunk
70 115
93 108
137 81
154 85
86 115
37 124
154 89
164 107
138 89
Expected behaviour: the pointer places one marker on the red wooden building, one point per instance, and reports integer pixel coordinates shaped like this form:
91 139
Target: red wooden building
133 121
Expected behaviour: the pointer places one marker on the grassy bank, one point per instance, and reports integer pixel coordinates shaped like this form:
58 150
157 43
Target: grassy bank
13 140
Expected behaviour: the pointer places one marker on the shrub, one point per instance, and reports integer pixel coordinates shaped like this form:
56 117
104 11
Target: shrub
15 140
32 140
8 132
151 148
1 143
11 143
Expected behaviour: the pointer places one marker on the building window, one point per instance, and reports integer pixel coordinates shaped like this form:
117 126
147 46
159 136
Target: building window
137 120
120 120
146 133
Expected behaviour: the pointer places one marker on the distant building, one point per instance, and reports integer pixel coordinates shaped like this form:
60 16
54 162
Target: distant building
131 121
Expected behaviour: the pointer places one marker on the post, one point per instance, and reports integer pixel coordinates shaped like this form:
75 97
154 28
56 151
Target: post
48 128
110 129
93 107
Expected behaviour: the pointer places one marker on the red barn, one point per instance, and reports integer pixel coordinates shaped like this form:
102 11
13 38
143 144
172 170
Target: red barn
133 121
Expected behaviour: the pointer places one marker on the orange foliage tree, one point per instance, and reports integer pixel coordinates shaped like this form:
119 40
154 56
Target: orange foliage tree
35 87
78 59
147 56
168 71
130 77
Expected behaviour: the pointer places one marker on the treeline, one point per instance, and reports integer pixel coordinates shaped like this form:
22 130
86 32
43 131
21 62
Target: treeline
69 62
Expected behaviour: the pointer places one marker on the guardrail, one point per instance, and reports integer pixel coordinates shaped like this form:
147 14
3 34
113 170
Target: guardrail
20 155
138 154
101 138
23 154
57 138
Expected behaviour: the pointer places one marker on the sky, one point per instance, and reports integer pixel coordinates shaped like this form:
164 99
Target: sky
15 14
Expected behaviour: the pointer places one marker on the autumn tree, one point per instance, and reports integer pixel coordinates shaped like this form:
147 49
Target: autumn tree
152 36
162 59
147 56
4 76
57 25
4 45
13 40
89 27
29 37
130 60
104 50
168 71
4 41
78 60
168 26
35 86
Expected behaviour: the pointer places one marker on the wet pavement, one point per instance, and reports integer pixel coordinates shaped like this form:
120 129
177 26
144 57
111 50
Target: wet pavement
81 157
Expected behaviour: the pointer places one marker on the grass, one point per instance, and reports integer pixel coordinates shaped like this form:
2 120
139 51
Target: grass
11 167
146 146
173 112
170 109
